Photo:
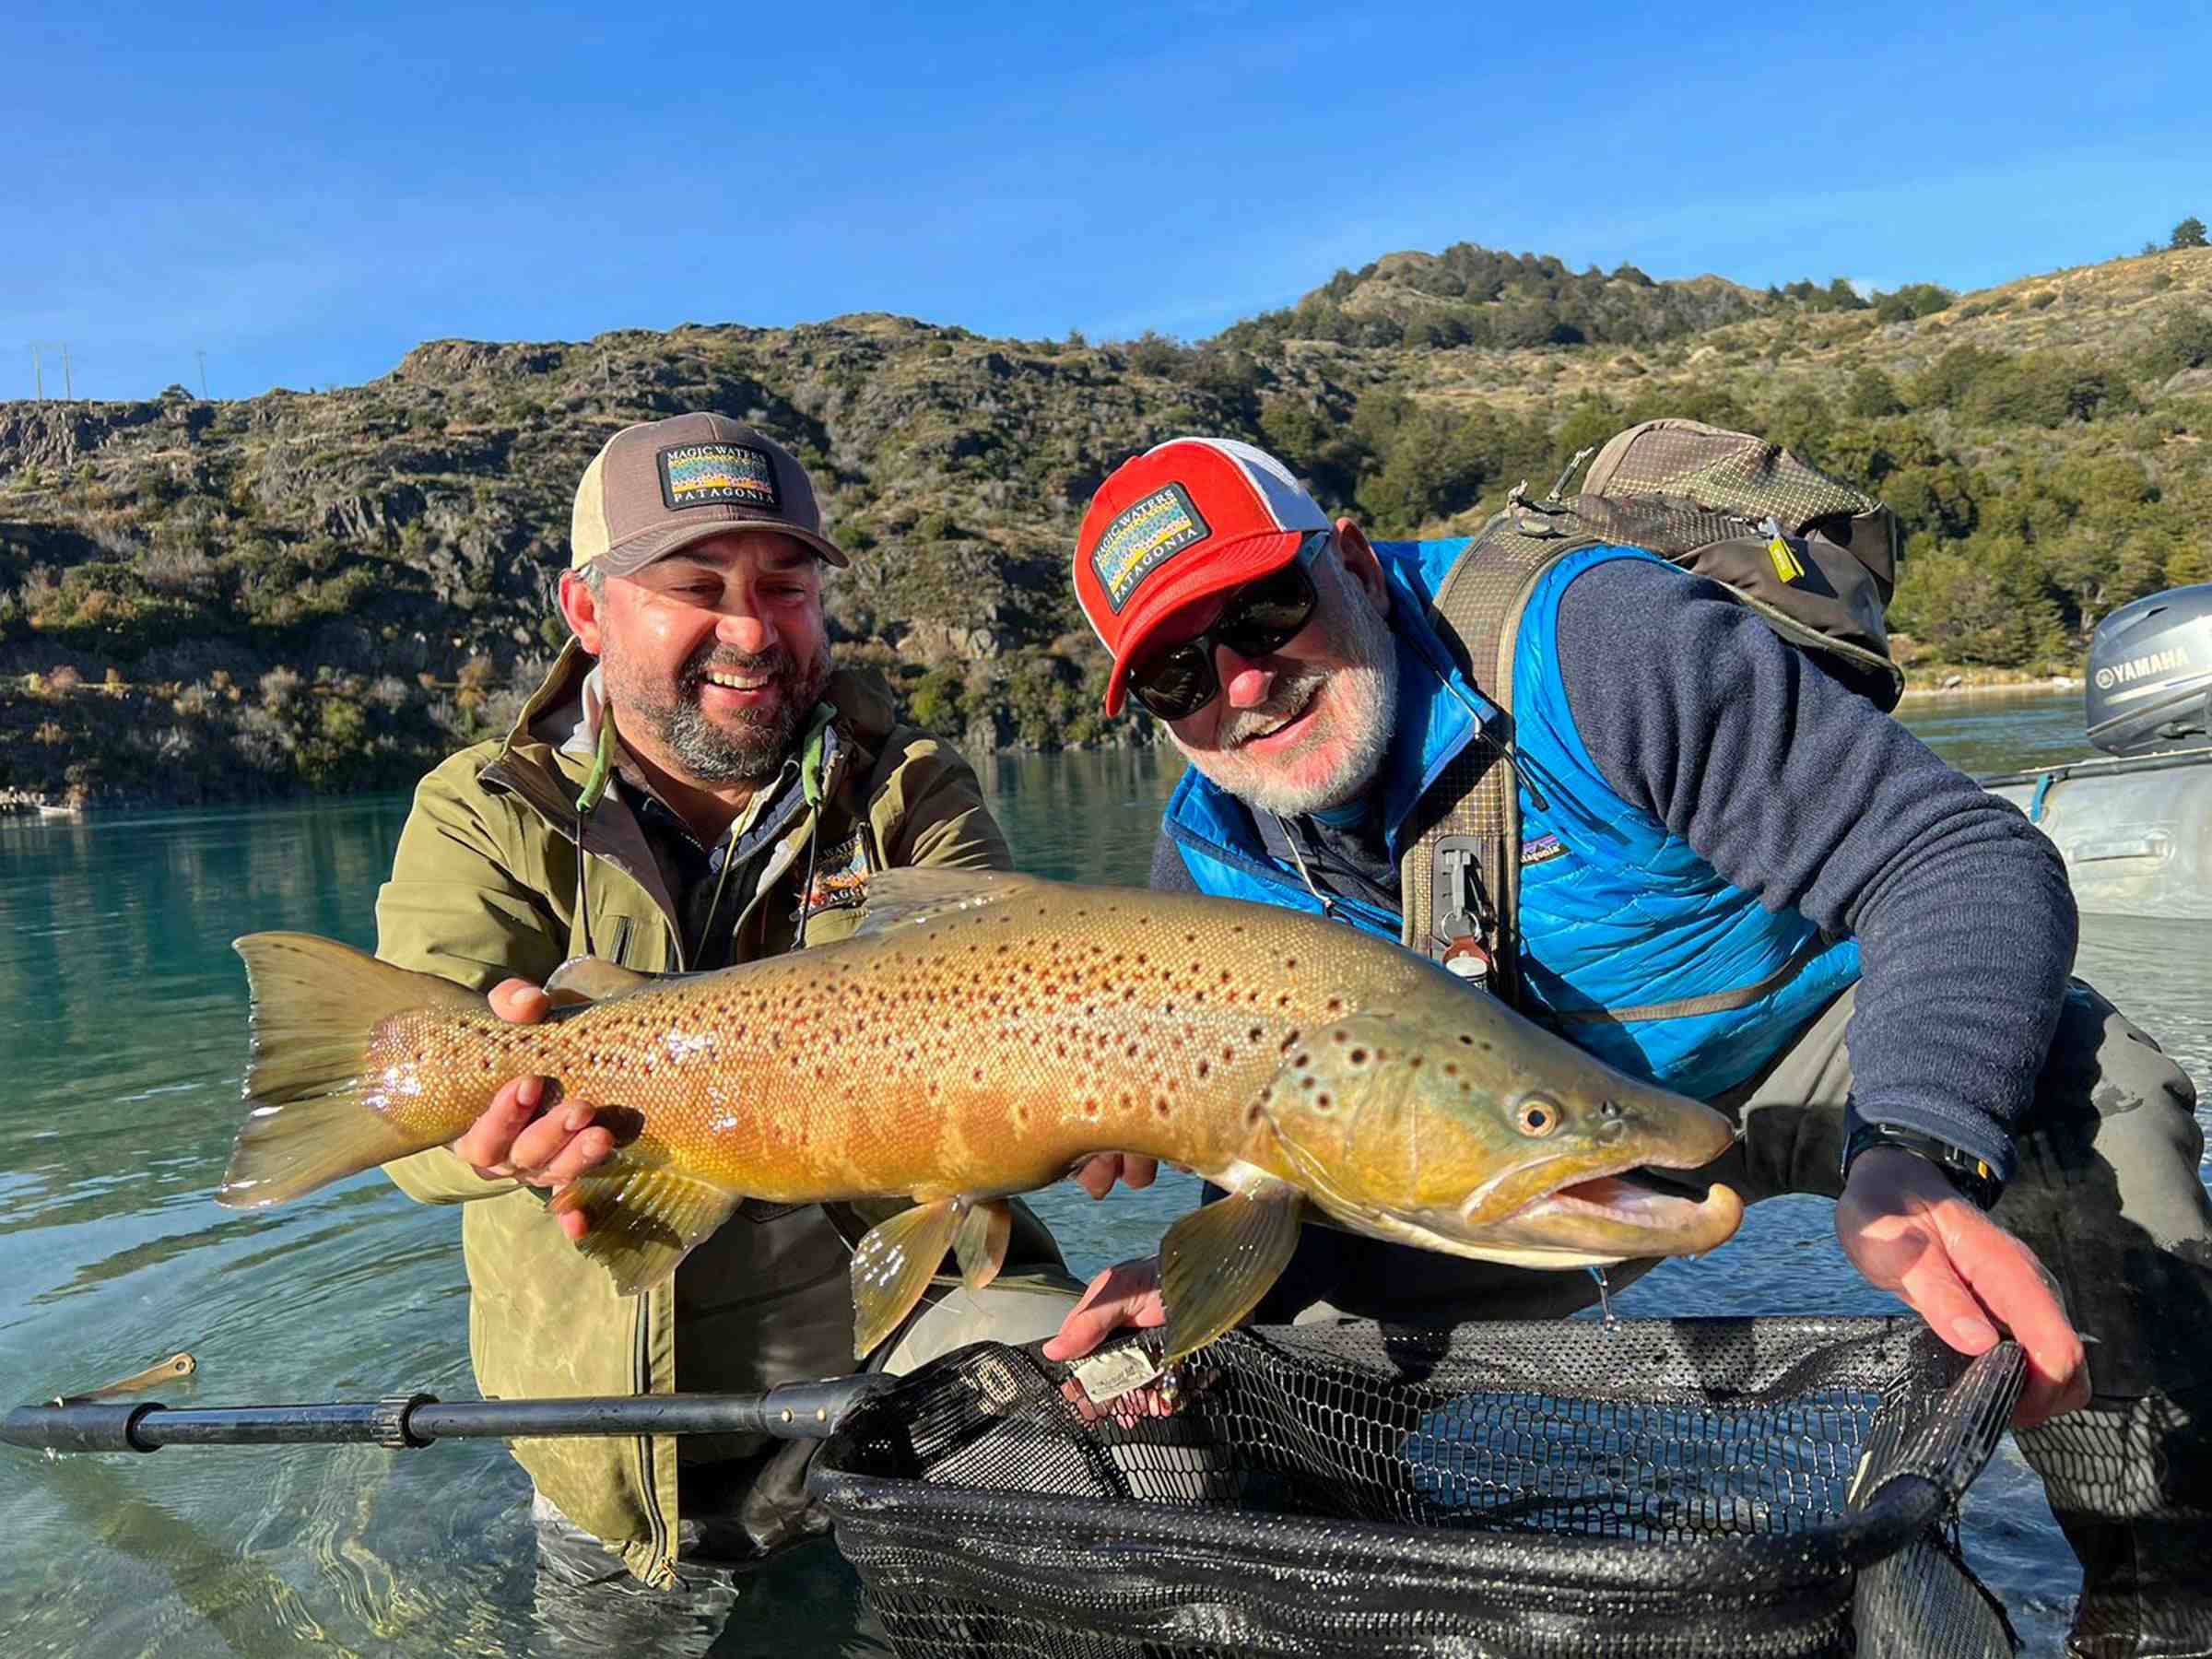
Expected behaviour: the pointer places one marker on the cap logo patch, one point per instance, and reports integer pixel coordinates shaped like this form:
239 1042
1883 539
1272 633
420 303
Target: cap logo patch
1142 537
698 475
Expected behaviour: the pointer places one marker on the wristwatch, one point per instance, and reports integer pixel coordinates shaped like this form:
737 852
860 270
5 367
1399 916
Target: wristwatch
1972 1175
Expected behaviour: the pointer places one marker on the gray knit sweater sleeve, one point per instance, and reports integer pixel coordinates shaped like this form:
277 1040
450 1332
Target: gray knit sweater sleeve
1170 873
1804 793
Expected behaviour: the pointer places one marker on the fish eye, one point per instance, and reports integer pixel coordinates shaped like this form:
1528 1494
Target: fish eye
1538 1117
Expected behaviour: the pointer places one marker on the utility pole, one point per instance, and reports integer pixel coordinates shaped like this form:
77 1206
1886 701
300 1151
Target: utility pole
38 370
203 358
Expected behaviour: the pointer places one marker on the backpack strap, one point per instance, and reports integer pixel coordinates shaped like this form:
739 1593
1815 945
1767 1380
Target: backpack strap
1460 876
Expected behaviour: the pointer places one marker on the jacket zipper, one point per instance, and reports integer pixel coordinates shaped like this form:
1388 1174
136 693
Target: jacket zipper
1265 872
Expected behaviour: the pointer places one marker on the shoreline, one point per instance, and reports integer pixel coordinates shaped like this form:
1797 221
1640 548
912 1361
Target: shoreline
1942 681
1963 682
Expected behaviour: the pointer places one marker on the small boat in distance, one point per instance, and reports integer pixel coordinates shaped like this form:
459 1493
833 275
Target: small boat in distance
2134 822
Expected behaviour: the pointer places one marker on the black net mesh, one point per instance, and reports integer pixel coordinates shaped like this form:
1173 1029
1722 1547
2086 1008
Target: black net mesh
1650 1488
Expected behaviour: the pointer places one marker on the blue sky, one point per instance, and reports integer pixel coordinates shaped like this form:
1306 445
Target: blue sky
304 193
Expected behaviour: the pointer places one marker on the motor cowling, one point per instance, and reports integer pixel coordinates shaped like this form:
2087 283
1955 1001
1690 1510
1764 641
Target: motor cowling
2150 680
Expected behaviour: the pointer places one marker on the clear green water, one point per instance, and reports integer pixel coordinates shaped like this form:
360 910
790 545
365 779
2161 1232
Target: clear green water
122 1038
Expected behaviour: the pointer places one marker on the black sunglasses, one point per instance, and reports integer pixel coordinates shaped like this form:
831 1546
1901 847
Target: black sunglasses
1260 618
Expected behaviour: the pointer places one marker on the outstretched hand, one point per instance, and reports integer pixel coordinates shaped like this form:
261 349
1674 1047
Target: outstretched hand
1908 1230
1122 1297
1118 1298
516 1138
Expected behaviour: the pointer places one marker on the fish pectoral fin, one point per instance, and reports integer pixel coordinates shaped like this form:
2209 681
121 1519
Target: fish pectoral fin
591 979
642 1221
892 1267
1217 1261
908 897
986 1223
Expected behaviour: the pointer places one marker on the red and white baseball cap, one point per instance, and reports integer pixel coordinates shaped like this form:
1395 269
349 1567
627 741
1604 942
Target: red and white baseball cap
1187 519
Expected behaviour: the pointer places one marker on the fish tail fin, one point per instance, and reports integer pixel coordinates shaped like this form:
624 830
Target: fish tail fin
315 1006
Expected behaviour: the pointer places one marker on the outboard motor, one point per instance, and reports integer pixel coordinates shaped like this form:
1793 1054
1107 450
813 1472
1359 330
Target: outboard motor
2150 684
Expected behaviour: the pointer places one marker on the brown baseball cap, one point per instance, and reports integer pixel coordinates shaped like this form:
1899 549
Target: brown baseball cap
658 487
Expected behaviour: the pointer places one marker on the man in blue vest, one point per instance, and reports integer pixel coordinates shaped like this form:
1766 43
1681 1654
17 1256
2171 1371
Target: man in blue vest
1740 880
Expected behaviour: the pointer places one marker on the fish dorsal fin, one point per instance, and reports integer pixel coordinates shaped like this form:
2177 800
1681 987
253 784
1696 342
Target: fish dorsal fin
908 897
591 979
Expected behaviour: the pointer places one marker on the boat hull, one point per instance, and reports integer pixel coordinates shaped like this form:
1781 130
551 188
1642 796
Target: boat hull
2135 831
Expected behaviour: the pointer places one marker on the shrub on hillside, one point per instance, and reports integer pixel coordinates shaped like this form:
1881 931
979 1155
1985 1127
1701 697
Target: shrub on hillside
1982 603
2182 341
2040 388
1914 301
1872 395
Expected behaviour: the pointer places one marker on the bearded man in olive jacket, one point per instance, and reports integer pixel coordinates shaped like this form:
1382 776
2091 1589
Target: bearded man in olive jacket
708 792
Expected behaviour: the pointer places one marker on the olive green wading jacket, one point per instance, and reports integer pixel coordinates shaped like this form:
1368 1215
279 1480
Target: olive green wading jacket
483 885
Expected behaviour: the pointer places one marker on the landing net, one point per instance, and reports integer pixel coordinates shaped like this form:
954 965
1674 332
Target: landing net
1652 1489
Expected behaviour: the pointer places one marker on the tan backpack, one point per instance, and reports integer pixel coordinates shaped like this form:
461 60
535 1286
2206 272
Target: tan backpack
1814 557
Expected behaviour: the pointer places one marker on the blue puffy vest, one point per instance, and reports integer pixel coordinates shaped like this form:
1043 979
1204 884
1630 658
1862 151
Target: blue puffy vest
1631 944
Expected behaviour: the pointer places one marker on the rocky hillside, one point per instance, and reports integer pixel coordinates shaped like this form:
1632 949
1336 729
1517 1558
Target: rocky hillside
220 600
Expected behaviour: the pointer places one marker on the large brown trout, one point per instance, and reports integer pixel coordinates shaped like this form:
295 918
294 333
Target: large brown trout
979 1036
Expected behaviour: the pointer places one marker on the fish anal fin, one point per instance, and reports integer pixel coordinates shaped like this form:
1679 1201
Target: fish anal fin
985 1227
908 897
641 1220
892 1267
1219 1261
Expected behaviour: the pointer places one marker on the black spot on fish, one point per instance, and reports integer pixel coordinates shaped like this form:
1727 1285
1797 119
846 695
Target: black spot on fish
624 1123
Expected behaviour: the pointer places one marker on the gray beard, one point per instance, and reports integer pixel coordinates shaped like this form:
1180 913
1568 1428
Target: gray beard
1367 692
756 749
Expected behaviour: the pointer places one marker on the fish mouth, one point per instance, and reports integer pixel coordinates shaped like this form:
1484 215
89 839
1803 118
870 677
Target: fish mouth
1619 1216
1584 1219
1619 1209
